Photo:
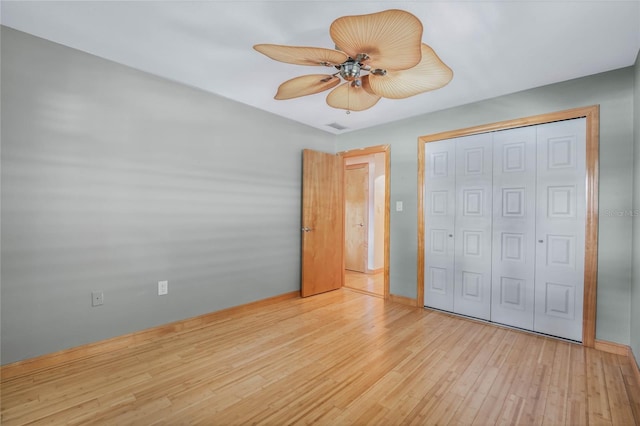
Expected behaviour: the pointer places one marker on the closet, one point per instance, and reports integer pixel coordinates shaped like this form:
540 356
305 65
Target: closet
504 226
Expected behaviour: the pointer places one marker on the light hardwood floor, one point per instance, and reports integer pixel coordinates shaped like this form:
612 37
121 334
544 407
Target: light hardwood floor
338 358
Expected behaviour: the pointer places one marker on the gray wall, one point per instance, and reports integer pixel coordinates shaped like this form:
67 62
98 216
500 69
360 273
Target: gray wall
113 179
635 289
613 91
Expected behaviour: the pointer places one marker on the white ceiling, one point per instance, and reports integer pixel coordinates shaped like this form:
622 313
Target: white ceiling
493 47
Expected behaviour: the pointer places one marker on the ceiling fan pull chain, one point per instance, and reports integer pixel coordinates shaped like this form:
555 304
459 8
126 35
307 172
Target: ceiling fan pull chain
348 93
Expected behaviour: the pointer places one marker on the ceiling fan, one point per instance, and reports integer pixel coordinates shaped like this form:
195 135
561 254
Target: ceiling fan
379 55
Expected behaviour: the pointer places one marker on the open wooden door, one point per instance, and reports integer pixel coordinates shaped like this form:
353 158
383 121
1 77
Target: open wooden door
322 222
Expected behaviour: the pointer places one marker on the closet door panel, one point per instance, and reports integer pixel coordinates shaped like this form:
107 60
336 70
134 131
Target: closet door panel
440 181
560 228
514 200
472 264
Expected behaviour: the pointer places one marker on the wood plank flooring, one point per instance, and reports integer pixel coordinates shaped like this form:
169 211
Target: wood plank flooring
338 358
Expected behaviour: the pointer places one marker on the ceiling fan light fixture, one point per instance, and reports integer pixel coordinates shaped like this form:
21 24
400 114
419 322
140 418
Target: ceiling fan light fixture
350 70
349 97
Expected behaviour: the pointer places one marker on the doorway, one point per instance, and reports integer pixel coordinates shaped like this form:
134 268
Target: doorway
366 220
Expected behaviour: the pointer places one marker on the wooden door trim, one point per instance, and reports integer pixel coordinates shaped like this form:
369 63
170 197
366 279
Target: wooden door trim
592 115
356 166
386 150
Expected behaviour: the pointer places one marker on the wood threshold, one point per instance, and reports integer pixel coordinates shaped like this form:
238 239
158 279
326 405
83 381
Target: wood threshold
592 115
55 359
368 293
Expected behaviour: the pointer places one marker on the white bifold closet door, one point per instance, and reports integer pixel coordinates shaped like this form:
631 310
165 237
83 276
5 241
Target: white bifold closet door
472 260
560 228
514 221
440 172
504 226
458 225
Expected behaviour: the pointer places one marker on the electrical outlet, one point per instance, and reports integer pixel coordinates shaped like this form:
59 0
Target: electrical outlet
163 288
97 298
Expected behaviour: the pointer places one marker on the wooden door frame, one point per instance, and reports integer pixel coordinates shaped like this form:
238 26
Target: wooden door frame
592 115
386 150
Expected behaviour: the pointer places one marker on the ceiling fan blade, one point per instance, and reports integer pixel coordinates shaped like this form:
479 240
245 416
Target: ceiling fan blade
302 55
430 74
352 98
390 38
306 85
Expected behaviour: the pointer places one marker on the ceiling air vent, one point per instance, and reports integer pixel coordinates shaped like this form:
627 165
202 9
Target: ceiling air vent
337 126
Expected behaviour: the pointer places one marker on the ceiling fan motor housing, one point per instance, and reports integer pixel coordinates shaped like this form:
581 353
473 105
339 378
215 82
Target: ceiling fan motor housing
350 70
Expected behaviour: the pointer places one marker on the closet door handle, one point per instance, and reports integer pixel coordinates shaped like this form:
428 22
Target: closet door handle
541 241
450 235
